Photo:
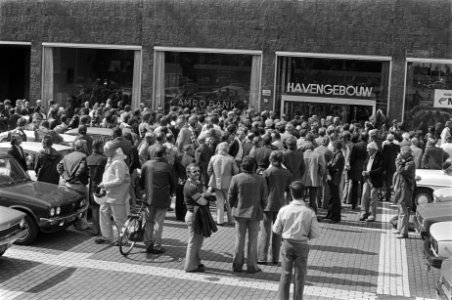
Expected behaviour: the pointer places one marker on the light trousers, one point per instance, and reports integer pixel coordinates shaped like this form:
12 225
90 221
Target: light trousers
222 201
242 225
194 244
403 220
369 201
154 226
266 235
119 214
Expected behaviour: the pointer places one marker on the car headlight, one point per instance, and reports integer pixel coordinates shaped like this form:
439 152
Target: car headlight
22 223
52 212
58 210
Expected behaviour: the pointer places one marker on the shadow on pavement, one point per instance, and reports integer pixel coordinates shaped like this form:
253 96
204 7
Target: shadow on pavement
336 249
347 270
11 267
322 280
53 281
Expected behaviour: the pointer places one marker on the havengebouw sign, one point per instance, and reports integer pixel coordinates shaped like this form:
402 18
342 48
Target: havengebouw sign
330 89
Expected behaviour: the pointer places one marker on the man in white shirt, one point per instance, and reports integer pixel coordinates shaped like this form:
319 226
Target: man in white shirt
446 132
297 224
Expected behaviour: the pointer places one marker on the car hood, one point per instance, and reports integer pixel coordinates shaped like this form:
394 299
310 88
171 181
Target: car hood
441 231
443 195
435 210
47 194
433 178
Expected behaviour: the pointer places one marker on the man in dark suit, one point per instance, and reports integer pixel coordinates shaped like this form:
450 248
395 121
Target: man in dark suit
373 181
390 152
335 169
17 152
159 181
358 156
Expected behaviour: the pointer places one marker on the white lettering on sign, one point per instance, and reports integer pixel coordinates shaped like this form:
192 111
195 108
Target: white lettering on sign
328 89
202 103
443 99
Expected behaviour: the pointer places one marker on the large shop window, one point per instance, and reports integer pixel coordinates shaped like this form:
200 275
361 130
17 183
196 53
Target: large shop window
350 88
428 93
206 80
88 74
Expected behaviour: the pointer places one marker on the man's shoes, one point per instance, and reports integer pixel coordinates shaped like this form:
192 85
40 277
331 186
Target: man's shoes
262 262
197 270
101 240
170 209
254 271
201 266
150 249
369 220
158 251
402 236
363 218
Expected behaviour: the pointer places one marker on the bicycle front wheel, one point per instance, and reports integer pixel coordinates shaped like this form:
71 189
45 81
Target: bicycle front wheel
127 240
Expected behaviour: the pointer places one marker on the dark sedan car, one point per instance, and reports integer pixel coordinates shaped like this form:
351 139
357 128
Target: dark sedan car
48 207
12 227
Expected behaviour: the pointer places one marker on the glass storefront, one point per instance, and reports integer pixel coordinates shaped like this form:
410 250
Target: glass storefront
88 74
428 93
351 89
206 80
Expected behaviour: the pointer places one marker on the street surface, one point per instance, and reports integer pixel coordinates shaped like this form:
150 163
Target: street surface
351 260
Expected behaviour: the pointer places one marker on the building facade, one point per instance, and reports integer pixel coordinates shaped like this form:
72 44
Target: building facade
348 58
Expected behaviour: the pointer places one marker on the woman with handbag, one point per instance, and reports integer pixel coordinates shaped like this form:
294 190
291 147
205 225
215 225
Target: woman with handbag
221 168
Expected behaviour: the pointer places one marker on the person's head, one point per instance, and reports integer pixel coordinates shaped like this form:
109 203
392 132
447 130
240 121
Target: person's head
307 146
405 151
291 143
98 146
431 142
16 140
188 149
160 151
248 164
45 124
82 129
21 122
372 148
79 145
325 140
47 141
276 158
110 148
337 145
297 190
193 171
223 148
160 137
149 136
390 137
116 132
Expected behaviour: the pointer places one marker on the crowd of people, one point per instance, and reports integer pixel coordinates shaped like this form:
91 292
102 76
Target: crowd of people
273 177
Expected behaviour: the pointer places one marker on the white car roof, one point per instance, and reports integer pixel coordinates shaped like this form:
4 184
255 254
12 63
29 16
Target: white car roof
441 231
34 147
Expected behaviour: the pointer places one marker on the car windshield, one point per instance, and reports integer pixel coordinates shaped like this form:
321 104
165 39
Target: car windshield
11 172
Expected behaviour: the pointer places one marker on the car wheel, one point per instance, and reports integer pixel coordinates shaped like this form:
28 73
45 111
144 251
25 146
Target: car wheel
423 196
32 232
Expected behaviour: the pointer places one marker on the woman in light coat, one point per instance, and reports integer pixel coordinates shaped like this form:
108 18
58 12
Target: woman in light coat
221 168
115 203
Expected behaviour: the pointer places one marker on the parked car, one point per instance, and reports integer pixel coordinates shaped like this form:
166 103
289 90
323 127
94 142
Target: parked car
439 246
431 213
442 195
12 227
430 181
32 149
67 139
444 283
48 207
94 132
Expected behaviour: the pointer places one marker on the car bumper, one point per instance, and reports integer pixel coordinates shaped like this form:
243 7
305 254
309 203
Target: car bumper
431 258
8 240
61 221
442 292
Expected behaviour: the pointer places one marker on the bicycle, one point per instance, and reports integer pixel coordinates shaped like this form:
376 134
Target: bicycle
133 230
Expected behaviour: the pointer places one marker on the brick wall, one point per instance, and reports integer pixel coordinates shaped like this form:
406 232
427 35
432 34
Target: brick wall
415 28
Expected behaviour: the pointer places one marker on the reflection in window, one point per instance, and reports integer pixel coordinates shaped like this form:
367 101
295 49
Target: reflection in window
207 80
422 80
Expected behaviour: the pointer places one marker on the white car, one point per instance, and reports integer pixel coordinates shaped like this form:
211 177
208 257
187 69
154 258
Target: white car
442 195
32 149
430 181
67 139
439 246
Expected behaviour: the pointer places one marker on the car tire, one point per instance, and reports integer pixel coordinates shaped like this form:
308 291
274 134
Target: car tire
32 232
422 196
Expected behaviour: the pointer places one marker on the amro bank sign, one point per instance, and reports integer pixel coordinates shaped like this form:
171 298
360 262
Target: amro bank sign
329 89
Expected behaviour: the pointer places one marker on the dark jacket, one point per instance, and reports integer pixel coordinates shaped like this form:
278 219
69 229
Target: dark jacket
20 157
376 171
390 152
73 168
294 162
159 181
248 196
336 167
96 165
404 180
278 180
204 223
358 156
433 158
46 166
89 142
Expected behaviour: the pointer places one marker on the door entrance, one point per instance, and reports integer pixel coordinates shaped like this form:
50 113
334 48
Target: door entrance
350 110
14 72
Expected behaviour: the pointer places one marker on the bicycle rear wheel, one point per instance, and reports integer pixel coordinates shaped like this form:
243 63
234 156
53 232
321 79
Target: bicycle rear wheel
126 240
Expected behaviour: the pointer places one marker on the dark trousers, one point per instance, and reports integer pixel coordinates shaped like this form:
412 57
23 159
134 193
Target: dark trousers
388 185
313 190
334 209
181 208
354 192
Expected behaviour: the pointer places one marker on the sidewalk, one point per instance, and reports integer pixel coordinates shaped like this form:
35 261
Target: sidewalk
351 260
